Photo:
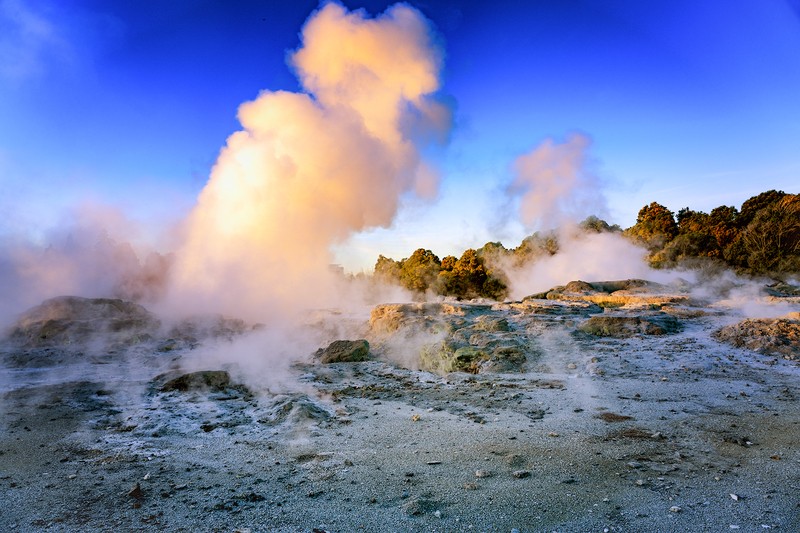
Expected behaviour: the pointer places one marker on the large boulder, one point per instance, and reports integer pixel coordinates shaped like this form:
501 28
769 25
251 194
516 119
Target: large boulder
72 321
344 351
629 326
216 380
447 356
778 336
388 318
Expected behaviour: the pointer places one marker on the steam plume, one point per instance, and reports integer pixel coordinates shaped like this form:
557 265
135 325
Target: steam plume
308 169
555 184
556 188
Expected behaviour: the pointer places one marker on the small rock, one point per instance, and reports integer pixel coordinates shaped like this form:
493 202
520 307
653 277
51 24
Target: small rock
136 493
734 497
520 474
675 509
482 473
417 506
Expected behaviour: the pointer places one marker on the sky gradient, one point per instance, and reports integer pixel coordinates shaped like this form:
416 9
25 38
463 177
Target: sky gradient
128 104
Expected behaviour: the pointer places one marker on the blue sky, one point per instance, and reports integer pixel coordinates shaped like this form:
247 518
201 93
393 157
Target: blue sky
127 104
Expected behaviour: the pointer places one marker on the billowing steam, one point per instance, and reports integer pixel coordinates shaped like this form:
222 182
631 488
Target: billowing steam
555 184
90 255
556 187
309 169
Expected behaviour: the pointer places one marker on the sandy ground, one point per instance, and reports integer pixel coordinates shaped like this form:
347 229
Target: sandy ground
649 433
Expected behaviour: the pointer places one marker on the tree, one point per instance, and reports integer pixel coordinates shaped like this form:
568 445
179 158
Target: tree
420 270
690 221
469 277
772 239
723 226
655 226
387 270
753 205
592 224
535 246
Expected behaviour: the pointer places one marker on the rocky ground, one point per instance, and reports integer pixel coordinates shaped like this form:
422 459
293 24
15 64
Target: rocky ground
614 406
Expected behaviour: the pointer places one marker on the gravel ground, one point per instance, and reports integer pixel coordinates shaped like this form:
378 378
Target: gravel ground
647 433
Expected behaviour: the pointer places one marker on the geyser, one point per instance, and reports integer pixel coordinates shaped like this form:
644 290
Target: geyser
309 169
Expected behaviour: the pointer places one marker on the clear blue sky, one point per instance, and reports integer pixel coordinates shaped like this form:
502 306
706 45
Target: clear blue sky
127 104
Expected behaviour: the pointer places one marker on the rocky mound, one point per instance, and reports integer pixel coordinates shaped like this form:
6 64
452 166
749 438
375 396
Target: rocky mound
344 351
782 290
454 337
779 336
72 321
610 294
388 318
196 381
629 326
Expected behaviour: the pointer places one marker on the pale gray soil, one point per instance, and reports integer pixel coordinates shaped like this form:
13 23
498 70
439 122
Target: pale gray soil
673 432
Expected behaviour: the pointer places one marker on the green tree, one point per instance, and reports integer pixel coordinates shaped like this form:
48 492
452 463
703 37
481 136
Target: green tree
723 226
655 226
535 246
753 205
419 271
772 239
387 270
592 224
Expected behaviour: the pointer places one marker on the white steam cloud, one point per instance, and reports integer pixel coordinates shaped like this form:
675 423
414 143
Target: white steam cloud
309 169
555 184
556 188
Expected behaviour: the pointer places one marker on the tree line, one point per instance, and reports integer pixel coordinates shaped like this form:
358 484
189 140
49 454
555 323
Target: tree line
760 238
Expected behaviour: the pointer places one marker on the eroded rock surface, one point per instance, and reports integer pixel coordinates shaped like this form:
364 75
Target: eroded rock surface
344 351
454 337
74 321
779 336
629 293
198 381
628 326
